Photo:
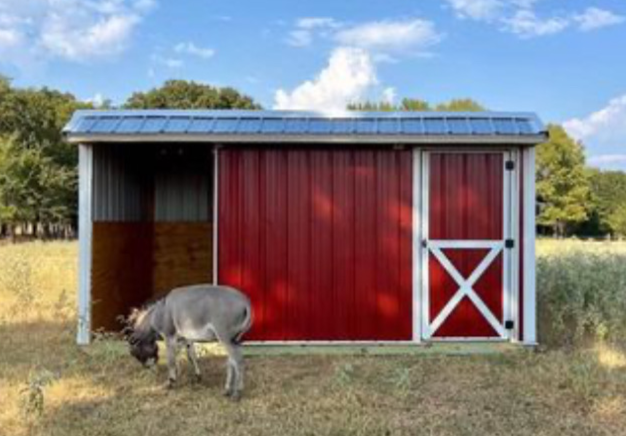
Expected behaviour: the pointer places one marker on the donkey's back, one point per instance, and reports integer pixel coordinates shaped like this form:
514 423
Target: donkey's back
202 313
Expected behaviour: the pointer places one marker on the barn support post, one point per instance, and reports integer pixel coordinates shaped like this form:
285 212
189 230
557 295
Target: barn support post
417 245
85 228
530 305
216 182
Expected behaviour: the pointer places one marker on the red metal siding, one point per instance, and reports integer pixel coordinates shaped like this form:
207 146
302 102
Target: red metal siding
320 240
465 203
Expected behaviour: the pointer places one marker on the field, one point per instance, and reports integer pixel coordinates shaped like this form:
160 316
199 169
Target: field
574 386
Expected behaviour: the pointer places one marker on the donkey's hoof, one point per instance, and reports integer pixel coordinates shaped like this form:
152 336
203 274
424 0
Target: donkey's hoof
197 378
227 393
171 383
236 396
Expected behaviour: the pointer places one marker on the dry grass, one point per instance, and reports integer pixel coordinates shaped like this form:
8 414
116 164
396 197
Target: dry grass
99 390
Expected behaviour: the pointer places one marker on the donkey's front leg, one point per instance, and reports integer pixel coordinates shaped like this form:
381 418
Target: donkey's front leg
193 358
171 344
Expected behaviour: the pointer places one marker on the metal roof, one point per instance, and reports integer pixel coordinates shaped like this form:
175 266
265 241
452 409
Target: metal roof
298 126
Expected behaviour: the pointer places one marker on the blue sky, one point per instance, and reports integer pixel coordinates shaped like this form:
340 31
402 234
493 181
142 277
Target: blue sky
565 59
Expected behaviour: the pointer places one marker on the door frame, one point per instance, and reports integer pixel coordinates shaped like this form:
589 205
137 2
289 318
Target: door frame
510 261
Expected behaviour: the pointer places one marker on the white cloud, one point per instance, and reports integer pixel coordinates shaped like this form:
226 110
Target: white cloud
317 22
389 95
391 36
603 131
348 77
194 50
168 62
74 30
9 38
108 36
606 122
595 18
310 27
526 24
608 160
482 10
520 18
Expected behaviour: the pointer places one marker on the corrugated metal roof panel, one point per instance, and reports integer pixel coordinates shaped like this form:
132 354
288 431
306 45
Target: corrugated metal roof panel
298 124
388 126
435 126
200 125
130 125
104 125
177 125
365 126
272 125
481 126
458 126
412 126
505 126
153 125
320 126
250 125
225 125
342 126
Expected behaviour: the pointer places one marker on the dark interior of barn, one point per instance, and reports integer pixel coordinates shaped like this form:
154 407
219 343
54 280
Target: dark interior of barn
152 224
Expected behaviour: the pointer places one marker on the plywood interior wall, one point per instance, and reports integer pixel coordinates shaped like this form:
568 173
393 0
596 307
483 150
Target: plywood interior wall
121 272
182 255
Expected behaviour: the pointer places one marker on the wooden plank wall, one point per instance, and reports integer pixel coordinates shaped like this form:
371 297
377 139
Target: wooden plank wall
138 262
121 272
183 255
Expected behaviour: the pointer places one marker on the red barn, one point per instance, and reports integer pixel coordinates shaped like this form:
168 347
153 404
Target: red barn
355 227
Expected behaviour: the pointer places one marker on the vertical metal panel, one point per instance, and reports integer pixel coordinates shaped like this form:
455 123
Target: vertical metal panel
466 203
182 195
85 229
320 240
118 186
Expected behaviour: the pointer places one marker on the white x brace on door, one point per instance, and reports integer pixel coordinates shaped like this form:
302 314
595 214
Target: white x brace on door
466 218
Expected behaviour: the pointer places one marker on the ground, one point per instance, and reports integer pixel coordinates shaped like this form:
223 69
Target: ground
49 386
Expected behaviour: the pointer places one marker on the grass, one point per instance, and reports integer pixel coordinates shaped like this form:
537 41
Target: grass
49 386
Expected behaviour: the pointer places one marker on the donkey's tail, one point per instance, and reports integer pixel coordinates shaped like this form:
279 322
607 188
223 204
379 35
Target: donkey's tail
245 325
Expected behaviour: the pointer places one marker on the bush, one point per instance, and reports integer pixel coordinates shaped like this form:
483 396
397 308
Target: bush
581 292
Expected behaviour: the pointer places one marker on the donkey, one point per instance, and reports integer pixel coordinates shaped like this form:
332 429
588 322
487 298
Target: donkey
190 314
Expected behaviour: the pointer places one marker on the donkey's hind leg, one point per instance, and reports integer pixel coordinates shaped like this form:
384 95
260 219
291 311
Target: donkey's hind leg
234 379
193 358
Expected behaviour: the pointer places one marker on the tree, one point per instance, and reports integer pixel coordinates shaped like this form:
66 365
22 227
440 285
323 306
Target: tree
182 94
617 220
460 105
412 104
38 169
608 194
562 182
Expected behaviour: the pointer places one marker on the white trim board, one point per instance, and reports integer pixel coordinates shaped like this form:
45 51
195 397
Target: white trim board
530 304
85 231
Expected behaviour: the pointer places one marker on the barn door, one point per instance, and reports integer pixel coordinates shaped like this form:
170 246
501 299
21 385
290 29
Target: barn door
466 245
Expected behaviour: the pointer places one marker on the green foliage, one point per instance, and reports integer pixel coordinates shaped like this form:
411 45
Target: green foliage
617 220
182 94
460 105
608 197
562 182
410 104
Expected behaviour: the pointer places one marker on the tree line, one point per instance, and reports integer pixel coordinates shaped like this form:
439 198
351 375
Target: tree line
38 169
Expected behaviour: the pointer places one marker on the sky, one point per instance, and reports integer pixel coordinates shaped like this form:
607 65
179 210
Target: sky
564 59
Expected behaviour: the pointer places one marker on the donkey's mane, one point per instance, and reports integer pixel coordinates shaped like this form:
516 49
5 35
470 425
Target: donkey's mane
138 320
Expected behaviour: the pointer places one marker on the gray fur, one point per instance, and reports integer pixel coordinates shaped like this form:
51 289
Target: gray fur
190 314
